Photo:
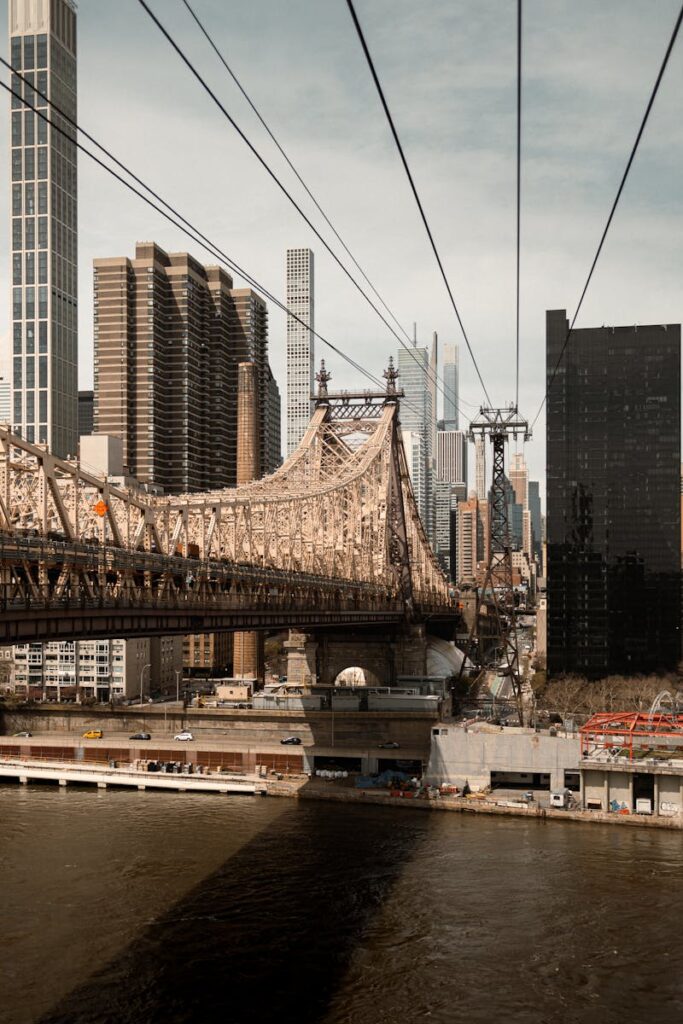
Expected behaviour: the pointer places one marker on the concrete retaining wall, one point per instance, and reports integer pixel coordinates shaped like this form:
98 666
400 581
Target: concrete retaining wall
459 755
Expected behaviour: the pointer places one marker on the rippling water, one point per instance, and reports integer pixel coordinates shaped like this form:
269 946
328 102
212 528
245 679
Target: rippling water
137 908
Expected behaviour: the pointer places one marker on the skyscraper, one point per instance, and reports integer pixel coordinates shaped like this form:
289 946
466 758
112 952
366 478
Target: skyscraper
613 520
519 478
417 417
535 511
450 386
169 334
300 344
451 456
44 222
480 468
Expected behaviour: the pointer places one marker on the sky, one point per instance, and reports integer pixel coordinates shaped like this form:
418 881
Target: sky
448 68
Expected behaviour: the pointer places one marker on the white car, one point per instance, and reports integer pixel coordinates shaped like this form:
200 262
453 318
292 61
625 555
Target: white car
184 735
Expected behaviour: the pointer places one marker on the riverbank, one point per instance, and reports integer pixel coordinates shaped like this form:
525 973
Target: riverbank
328 790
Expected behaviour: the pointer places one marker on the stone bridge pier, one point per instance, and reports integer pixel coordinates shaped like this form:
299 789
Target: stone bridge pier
318 659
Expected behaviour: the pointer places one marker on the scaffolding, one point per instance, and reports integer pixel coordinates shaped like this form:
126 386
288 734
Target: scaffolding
622 734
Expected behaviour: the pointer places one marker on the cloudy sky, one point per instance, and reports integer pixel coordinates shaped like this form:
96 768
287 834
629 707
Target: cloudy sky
448 69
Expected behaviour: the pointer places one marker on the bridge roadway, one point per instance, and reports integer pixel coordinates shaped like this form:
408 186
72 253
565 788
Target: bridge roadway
177 595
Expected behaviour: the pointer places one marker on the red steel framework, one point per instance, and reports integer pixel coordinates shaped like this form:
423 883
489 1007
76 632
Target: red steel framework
632 730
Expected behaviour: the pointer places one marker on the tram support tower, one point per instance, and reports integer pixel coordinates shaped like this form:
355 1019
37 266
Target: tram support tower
496 645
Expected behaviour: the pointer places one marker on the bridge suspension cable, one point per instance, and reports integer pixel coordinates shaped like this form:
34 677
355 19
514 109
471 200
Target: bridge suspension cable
413 187
182 223
622 183
264 163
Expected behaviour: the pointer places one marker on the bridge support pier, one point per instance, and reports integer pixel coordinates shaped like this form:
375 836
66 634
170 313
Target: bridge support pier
384 657
301 659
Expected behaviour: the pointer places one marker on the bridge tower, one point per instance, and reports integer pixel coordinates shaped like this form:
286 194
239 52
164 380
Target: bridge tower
492 643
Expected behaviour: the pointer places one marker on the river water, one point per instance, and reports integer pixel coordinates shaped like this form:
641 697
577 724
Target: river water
138 908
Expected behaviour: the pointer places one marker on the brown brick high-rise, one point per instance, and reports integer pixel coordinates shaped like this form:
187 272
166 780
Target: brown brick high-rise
169 334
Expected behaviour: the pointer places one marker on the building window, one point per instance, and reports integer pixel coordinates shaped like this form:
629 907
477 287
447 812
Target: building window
29 52
41 62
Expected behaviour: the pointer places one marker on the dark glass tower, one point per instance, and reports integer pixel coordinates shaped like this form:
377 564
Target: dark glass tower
614 516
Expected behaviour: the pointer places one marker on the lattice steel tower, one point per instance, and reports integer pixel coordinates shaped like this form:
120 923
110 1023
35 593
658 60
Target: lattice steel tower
496 645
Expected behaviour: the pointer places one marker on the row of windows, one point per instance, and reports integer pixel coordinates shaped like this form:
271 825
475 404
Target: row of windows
33 53
25 89
32 133
24 268
30 434
26 238
26 169
30 329
33 195
29 295
31 406
29 376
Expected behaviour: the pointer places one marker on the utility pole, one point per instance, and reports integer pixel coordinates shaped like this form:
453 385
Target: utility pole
496 648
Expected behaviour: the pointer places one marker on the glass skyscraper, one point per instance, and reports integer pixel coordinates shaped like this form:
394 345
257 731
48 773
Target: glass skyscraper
44 311
613 520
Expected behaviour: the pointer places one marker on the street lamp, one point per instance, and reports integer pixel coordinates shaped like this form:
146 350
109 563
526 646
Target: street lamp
177 684
142 675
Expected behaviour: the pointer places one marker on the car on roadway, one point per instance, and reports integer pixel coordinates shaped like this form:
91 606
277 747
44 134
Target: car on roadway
389 745
185 735
140 736
24 735
93 734
293 740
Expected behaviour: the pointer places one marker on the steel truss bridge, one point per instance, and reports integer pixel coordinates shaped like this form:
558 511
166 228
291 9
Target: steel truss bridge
332 537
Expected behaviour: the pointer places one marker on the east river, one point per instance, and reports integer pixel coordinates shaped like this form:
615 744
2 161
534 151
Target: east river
138 908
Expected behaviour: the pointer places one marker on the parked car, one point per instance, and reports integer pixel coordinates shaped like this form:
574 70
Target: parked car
140 736
93 734
24 735
293 740
390 745
184 735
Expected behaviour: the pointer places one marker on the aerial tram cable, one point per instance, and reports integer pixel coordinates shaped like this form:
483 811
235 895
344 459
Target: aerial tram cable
413 187
634 149
288 161
174 217
433 377
186 60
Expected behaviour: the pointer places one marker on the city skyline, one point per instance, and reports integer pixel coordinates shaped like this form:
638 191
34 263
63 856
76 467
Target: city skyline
258 233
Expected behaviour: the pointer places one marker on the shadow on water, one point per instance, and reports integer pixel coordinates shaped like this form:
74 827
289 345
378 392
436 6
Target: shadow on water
268 936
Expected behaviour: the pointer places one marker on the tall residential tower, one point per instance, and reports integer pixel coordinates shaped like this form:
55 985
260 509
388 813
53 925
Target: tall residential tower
169 335
44 222
300 347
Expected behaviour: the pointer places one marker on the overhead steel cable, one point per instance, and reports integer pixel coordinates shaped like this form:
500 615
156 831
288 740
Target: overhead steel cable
288 161
634 149
413 187
519 187
188 63
174 217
